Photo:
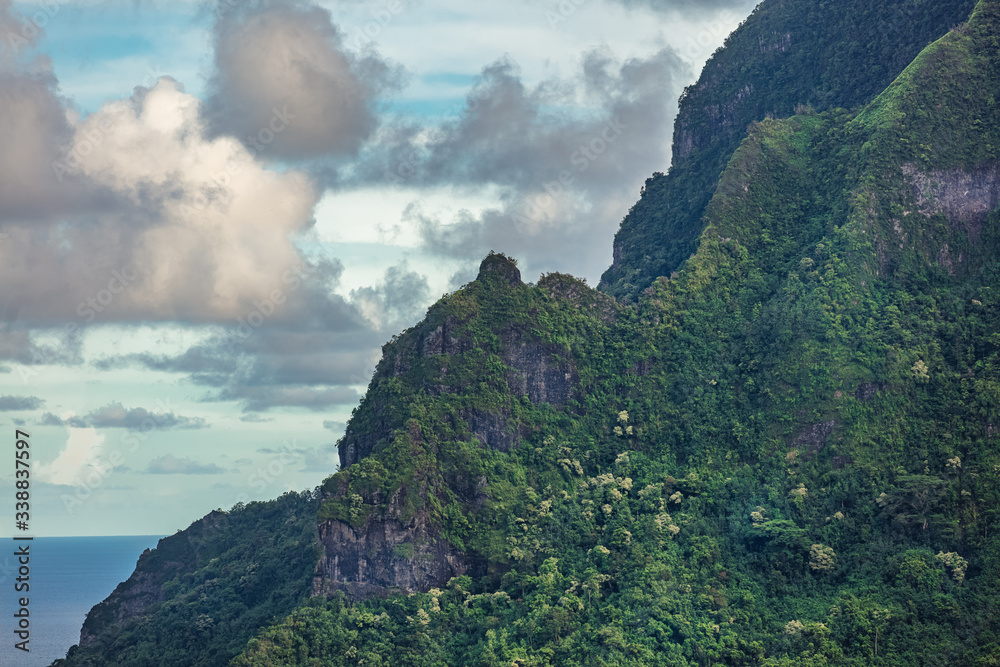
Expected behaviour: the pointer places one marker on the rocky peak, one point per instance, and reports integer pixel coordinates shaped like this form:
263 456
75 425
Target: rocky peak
499 267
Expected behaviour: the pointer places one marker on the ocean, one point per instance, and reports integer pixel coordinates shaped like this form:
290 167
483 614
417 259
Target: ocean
69 575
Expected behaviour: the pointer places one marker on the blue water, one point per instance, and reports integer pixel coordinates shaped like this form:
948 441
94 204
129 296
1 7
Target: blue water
69 575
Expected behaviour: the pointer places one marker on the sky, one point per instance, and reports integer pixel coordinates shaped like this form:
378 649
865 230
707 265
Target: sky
214 214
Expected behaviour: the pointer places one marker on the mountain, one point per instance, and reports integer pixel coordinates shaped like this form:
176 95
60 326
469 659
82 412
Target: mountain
784 453
819 54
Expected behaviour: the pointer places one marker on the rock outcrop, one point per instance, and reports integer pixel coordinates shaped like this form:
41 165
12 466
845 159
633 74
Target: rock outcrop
542 372
965 198
386 555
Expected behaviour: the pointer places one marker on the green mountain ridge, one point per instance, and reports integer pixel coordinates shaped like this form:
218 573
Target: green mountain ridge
785 453
786 55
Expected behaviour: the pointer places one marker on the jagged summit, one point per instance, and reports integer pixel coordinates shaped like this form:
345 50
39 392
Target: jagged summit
499 266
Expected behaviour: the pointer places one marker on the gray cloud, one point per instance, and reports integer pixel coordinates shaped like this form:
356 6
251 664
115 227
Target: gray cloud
564 179
92 229
324 459
36 130
276 366
36 135
171 465
335 426
17 403
114 415
170 243
19 343
316 459
254 418
285 84
311 358
49 419
312 398
694 6
396 302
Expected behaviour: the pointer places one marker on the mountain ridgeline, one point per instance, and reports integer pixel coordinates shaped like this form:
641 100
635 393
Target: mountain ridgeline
783 448
789 54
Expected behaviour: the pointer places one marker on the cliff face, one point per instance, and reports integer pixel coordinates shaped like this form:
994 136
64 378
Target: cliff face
173 557
445 355
965 197
386 554
375 543
128 601
487 366
787 55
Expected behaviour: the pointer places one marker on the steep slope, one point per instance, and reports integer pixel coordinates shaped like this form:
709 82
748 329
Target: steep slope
202 593
786 454
420 496
790 455
788 54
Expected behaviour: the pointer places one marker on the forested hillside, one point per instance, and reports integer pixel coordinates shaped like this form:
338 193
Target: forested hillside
788 54
786 453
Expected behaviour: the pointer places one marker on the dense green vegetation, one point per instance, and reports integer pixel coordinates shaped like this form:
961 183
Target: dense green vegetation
204 591
788 55
784 454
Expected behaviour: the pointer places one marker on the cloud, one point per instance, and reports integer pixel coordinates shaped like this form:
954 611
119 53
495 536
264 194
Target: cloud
276 366
267 397
20 403
285 84
77 457
323 459
133 212
566 156
49 419
254 418
313 358
335 426
696 6
19 343
114 415
171 465
396 302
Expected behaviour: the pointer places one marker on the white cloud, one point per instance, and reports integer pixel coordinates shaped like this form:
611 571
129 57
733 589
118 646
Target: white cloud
189 228
75 460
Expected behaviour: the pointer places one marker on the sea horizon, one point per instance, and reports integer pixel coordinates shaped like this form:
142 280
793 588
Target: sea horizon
68 576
